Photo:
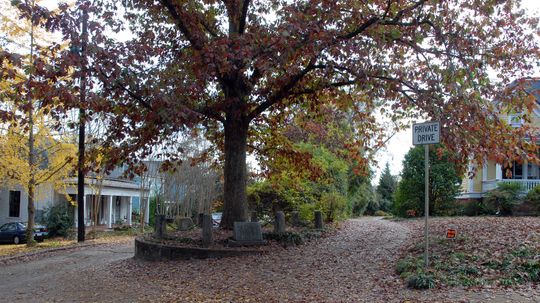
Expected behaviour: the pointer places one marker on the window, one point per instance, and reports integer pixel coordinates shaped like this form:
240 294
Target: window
14 203
516 170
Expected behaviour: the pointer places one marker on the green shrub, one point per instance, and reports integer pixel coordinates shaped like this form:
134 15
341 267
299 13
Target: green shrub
59 220
533 197
504 197
152 207
307 212
421 280
333 205
532 268
406 265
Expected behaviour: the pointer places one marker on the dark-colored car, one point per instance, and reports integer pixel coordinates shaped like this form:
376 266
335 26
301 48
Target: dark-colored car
16 232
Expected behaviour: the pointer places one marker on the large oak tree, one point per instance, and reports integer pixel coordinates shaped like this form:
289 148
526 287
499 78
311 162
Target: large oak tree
165 66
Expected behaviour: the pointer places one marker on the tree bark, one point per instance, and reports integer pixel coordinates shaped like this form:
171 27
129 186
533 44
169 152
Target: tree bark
235 172
31 186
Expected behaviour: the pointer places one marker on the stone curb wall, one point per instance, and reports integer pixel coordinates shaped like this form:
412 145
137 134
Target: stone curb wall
149 251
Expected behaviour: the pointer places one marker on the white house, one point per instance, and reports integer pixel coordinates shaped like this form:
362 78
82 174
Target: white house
115 204
491 173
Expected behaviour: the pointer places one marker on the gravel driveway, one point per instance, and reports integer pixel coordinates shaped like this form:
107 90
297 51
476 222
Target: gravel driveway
356 264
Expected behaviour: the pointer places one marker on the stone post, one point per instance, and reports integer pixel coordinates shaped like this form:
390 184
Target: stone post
318 220
207 236
295 218
160 227
200 220
254 217
279 224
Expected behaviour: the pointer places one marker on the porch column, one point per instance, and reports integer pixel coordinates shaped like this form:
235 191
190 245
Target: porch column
147 210
498 172
484 171
109 224
470 187
85 209
525 169
130 209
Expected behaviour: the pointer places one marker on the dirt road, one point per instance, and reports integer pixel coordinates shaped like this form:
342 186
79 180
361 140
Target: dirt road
356 264
36 279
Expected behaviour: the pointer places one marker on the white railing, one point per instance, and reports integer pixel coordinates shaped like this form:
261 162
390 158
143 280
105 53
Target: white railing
489 185
525 184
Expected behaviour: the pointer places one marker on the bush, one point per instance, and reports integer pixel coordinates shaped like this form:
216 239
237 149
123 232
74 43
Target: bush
152 211
59 220
533 197
475 208
504 197
333 205
421 280
307 212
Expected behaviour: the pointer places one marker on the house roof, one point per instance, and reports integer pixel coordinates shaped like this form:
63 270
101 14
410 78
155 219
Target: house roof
108 182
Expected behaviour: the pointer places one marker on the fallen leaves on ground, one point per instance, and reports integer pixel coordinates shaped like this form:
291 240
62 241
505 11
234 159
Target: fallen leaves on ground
489 253
355 264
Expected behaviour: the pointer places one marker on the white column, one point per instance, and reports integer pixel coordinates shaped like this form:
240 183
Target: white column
470 187
525 169
85 209
130 209
498 172
109 224
147 211
485 171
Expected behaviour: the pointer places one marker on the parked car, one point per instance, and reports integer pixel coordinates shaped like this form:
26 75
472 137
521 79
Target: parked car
216 219
16 232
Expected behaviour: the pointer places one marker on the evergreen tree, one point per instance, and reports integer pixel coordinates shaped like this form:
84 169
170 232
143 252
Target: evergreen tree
386 188
444 183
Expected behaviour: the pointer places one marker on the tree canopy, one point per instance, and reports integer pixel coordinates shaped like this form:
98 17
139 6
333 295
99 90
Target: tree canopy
162 67
444 183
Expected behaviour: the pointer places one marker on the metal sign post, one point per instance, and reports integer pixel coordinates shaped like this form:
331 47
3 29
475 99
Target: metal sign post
426 134
426 205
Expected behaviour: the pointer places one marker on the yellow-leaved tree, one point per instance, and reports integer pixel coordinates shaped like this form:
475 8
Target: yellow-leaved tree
33 152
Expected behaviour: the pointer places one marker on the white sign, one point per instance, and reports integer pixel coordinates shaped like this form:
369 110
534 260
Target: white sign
426 133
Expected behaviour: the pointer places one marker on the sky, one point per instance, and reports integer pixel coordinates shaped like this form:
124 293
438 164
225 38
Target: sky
400 143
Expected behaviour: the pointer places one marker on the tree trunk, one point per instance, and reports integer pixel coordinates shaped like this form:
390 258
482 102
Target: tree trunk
32 182
31 146
235 172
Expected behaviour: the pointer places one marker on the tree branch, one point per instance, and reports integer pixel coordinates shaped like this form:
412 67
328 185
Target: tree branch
243 17
195 41
51 174
283 91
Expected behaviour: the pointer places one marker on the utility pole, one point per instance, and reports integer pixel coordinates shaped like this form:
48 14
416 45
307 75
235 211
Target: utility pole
82 123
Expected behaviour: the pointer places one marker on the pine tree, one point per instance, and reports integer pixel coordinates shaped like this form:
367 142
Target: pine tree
385 189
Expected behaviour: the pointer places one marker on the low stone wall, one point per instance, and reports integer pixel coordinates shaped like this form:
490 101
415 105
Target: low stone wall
152 251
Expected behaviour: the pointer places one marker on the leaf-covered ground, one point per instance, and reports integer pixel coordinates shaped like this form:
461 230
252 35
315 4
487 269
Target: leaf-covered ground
488 251
355 264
